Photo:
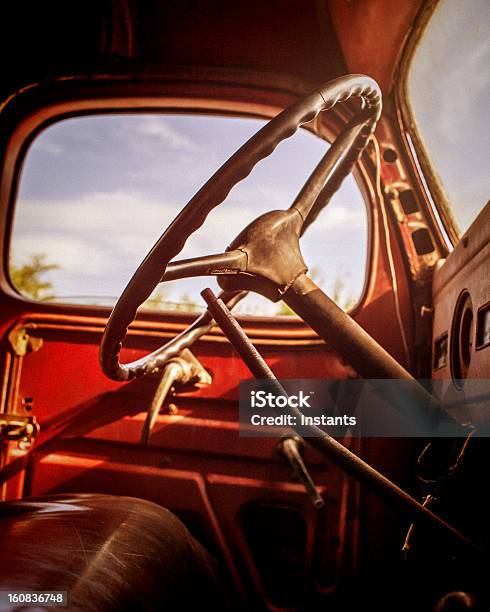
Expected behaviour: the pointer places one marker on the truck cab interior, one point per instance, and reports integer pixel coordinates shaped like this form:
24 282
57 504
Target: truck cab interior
196 194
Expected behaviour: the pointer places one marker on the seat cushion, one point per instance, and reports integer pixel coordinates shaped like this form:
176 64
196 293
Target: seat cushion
107 552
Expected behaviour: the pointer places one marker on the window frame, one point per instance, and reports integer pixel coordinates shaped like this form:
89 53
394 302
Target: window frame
437 199
42 105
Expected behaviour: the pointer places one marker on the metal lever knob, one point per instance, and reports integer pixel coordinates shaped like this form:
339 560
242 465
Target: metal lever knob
183 369
290 447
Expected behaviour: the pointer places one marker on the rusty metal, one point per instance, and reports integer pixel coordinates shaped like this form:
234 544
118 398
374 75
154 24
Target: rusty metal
291 448
340 455
274 267
183 369
327 177
231 262
171 373
364 354
22 429
461 288
250 262
23 343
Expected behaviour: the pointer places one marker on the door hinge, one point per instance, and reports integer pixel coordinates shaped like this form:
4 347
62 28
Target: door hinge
22 429
22 343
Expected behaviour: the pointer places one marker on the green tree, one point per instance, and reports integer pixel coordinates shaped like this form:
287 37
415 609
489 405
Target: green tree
345 302
187 304
155 301
27 278
285 311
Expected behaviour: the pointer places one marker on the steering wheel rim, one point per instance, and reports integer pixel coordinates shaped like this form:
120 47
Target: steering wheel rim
214 192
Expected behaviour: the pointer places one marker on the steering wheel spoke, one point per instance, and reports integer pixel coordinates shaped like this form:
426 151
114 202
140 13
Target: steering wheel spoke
334 166
230 262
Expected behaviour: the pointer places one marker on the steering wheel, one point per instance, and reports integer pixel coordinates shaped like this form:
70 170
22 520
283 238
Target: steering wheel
265 257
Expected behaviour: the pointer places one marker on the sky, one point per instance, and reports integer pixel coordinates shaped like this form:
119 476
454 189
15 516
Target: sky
96 192
449 88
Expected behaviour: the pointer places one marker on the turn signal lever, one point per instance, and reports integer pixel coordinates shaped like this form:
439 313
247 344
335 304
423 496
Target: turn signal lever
183 369
291 448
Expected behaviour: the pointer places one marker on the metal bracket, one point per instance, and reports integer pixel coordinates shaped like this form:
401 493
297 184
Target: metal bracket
192 371
22 343
24 429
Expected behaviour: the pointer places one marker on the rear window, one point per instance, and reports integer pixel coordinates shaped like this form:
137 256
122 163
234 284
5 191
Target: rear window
96 192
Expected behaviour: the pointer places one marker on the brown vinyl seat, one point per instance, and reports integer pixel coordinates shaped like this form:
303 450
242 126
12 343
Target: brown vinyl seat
107 552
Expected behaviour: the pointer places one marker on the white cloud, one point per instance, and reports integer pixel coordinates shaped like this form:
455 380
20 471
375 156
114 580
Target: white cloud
157 128
107 234
100 238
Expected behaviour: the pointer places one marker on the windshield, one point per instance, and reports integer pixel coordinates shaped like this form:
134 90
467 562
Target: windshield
448 91
97 191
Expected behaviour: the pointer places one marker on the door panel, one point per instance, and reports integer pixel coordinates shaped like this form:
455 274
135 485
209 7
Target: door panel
461 294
